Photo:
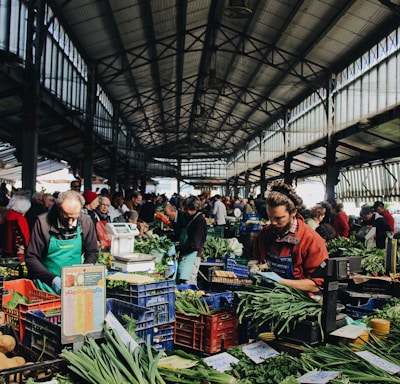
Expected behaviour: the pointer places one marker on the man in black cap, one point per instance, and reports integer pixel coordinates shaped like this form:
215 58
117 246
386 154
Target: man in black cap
380 208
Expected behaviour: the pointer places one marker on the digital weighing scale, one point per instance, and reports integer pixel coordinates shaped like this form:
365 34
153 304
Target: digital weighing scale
122 249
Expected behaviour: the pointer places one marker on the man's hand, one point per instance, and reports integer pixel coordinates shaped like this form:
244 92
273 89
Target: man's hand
269 276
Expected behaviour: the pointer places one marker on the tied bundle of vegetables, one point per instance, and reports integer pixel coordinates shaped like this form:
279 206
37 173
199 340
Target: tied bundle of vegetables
281 307
112 362
191 303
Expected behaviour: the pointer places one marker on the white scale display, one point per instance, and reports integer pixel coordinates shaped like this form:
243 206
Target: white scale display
122 249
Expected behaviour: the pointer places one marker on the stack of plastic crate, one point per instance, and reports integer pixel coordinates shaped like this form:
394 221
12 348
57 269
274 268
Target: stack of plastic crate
160 298
207 333
36 299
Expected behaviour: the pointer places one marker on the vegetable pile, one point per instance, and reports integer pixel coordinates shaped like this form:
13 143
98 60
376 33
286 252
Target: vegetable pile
8 356
280 308
272 371
215 247
372 259
201 373
146 245
112 362
191 303
391 312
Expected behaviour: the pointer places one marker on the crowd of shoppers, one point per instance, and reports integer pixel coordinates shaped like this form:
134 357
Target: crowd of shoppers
40 229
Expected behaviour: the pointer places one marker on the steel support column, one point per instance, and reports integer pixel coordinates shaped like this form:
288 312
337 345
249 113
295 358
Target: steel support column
31 104
332 171
89 128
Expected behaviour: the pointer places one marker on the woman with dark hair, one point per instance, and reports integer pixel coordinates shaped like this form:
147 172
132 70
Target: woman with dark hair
191 248
326 231
292 249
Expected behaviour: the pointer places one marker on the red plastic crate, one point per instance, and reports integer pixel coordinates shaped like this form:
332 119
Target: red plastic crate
207 333
38 300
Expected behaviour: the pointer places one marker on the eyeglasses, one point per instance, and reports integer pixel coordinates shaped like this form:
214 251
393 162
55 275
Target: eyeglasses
105 205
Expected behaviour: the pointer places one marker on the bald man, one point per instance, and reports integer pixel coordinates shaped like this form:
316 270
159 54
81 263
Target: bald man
62 237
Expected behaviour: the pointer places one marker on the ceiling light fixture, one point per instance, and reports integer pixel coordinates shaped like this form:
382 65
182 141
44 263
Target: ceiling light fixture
237 9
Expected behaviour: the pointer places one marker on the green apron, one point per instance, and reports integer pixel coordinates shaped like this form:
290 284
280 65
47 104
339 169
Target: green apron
61 253
186 262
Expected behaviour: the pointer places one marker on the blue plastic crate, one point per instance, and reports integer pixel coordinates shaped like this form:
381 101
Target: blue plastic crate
215 300
184 287
149 292
219 300
252 216
241 271
158 297
162 305
162 286
365 310
163 339
144 316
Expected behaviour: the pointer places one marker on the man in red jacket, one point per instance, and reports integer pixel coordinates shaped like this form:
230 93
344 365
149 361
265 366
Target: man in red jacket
380 208
292 249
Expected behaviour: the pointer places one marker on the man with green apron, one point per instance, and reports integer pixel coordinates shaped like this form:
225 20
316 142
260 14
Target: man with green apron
62 237
190 249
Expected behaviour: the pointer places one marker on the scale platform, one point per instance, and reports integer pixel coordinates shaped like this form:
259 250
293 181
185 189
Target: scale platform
133 262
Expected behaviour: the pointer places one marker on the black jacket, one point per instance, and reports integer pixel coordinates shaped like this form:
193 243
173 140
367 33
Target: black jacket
196 236
46 225
382 226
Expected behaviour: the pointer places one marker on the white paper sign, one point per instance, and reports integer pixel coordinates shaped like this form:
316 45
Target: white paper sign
121 331
379 362
349 331
221 362
318 377
259 351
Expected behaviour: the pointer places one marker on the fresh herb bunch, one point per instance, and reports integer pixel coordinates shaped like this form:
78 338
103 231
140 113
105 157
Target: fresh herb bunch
215 247
145 245
373 262
391 312
346 247
272 371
